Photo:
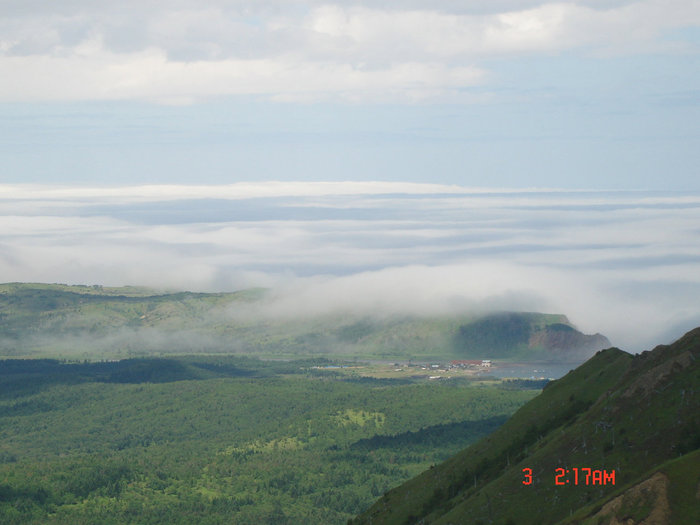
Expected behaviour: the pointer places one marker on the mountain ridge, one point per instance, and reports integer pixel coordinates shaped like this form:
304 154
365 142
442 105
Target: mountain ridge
77 320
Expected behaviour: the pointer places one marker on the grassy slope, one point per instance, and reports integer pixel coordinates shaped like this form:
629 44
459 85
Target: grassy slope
93 322
643 411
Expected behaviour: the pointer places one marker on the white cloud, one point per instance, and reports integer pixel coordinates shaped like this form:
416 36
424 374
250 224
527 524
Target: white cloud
240 190
453 196
343 51
94 73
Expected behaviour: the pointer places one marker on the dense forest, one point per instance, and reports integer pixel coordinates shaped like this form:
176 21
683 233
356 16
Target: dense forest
212 439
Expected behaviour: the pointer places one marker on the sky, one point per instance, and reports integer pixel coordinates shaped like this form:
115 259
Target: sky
505 93
416 156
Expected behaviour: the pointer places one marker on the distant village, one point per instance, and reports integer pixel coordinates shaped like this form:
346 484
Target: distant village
459 364
475 368
424 370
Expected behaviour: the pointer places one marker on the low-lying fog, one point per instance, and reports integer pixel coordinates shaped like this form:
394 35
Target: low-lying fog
626 264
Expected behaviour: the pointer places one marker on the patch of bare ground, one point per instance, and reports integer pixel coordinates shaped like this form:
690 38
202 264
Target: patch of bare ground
643 504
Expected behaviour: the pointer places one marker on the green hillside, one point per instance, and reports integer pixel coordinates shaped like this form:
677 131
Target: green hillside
638 416
99 322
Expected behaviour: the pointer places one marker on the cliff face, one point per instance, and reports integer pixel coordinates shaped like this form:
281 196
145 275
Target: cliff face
527 337
566 342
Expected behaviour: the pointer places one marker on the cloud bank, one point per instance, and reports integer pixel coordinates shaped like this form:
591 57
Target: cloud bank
626 264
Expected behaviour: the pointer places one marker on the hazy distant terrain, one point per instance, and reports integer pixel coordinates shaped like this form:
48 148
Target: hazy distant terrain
99 322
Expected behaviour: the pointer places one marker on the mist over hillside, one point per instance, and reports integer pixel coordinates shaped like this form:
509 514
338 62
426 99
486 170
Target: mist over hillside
100 322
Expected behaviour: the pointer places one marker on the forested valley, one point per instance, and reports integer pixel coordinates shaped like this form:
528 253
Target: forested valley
223 439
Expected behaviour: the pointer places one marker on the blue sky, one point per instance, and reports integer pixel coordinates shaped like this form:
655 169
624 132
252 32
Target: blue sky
405 156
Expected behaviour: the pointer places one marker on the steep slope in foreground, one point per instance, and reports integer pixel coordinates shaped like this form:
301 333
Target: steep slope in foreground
638 416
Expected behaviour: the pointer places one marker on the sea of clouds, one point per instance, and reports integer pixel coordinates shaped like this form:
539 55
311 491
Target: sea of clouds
626 264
